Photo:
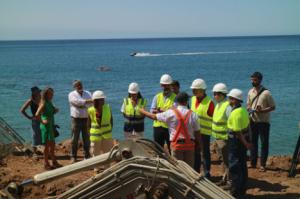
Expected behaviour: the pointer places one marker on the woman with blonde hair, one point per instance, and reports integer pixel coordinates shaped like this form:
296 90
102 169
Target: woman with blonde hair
46 113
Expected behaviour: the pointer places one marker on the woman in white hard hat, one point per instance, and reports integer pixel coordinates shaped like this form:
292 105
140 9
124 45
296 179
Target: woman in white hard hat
134 120
100 123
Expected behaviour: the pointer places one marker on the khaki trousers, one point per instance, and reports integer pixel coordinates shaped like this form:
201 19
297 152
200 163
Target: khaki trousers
222 147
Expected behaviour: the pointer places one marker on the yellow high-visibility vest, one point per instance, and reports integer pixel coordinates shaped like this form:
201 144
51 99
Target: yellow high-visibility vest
238 120
204 119
163 104
219 122
104 131
132 111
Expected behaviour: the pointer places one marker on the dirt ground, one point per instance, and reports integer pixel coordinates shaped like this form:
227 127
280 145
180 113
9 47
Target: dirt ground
273 183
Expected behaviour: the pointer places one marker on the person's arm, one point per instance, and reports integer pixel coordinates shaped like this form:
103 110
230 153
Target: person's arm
242 138
39 113
148 114
24 107
111 120
270 103
78 102
89 124
153 108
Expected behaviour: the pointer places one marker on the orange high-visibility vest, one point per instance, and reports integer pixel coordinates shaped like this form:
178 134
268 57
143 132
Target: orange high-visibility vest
182 130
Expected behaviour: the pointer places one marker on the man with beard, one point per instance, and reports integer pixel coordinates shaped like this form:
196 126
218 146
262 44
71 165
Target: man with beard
161 103
259 104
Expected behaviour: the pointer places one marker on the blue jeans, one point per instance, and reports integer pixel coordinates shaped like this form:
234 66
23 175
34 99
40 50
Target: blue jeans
36 133
238 170
80 125
206 156
259 130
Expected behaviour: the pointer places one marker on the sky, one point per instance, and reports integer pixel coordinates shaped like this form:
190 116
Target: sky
102 19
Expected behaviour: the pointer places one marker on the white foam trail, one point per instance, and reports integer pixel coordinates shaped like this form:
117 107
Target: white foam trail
146 54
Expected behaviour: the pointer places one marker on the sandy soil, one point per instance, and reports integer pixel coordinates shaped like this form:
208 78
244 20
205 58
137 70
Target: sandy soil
273 183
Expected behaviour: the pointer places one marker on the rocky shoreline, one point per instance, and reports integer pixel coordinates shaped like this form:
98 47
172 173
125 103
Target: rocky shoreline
273 183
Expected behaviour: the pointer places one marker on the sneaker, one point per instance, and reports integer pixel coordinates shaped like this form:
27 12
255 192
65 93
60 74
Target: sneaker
262 169
35 157
226 187
73 160
251 166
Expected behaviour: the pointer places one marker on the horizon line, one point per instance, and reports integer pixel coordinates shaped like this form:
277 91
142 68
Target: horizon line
141 38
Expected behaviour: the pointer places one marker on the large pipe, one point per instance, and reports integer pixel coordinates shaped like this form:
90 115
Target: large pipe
73 168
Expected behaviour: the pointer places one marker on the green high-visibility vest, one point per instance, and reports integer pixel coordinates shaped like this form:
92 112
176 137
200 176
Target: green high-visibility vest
163 104
219 121
104 131
204 119
238 120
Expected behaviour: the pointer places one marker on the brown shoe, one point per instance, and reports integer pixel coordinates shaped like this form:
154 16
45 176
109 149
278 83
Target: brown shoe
48 167
56 164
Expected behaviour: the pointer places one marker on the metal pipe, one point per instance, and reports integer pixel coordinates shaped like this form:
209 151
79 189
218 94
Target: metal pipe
73 168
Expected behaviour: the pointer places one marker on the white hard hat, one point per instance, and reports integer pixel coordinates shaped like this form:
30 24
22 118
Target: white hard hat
236 93
166 79
98 95
220 87
133 88
198 84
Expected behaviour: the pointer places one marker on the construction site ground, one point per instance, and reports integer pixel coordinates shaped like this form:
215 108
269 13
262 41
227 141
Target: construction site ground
273 183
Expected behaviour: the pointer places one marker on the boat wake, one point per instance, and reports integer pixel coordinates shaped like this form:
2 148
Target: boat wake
147 54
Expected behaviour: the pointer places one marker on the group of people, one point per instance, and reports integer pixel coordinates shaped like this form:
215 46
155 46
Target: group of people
185 128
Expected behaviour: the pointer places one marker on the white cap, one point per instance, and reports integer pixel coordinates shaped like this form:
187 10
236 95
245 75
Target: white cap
133 88
98 95
198 84
236 93
166 79
220 87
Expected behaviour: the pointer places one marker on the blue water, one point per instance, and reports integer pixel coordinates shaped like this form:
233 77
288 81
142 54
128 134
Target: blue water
231 60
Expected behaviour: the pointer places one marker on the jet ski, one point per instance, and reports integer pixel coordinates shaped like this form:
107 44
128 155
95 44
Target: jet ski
133 54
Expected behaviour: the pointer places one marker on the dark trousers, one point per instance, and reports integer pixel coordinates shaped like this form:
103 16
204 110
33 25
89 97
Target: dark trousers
259 130
238 170
80 125
205 139
161 136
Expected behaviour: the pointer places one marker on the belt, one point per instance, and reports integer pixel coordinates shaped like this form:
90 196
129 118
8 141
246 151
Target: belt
182 141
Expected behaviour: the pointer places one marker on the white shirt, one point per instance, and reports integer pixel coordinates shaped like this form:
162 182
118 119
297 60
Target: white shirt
78 107
169 117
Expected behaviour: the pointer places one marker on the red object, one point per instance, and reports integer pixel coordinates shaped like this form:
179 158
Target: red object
182 130
211 107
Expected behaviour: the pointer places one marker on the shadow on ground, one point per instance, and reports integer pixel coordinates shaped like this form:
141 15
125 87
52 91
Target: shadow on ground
275 196
265 186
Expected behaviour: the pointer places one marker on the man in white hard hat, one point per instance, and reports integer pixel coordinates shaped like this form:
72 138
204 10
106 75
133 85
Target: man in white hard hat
100 123
259 104
79 101
219 127
183 127
204 107
161 103
238 127
134 120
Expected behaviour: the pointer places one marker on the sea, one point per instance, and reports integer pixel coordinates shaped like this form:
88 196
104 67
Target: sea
56 63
